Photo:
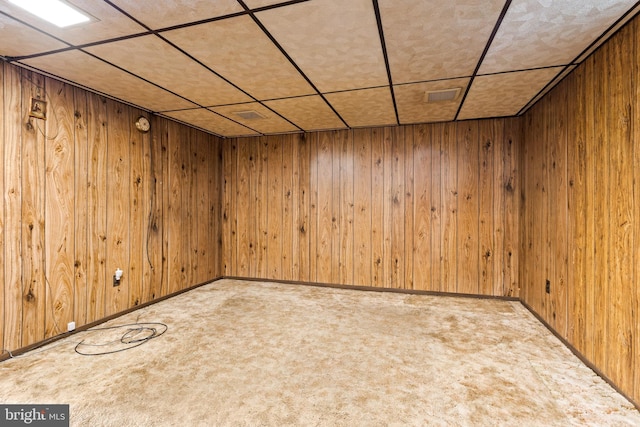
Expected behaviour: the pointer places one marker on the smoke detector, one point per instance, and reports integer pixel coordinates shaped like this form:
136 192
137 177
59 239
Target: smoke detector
249 115
442 95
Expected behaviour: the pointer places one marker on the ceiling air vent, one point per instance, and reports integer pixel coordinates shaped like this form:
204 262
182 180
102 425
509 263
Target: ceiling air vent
249 115
442 95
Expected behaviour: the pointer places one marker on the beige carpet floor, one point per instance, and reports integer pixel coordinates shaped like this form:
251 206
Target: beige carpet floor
267 354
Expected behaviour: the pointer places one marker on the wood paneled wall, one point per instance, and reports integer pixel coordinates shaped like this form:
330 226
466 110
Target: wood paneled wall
581 209
84 193
425 207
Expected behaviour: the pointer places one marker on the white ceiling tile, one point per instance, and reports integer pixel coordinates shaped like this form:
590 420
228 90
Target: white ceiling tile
269 122
95 74
210 121
500 95
158 14
238 50
309 112
107 23
366 107
335 43
543 33
412 107
429 40
157 61
17 39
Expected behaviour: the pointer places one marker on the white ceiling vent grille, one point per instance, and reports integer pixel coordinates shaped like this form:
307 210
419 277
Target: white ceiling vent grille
442 95
249 115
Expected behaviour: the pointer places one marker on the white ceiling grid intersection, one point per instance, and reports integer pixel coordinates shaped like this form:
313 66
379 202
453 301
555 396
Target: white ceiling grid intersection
305 65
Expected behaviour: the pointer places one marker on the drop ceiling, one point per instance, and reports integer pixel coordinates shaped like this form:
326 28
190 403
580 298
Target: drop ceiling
253 67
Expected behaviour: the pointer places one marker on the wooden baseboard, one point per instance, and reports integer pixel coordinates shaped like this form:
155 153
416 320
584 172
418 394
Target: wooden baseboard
580 356
6 355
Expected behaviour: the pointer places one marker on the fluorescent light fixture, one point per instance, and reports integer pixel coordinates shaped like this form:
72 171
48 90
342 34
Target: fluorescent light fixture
55 11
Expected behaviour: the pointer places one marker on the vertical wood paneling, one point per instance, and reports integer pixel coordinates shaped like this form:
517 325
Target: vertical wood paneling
243 210
118 206
378 196
498 213
407 280
635 304
228 245
13 209
422 159
287 209
601 215
389 199
302 248
583 139
325 208
59 207
262 208
434 181
274 209
155 241
137 183
97 207
468 213
448 159
362 228
32 239
576 205
486 242
81 191
377 207
619 115
83 194
3 318
346 214
590 200
336 209
512 207
314 209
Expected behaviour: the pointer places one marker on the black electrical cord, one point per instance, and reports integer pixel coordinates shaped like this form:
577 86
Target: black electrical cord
135 335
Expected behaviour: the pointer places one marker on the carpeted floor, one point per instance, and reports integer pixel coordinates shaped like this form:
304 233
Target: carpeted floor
266 354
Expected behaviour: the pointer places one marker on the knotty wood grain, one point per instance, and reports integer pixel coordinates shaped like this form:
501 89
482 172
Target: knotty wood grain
81 164
33 221
12 207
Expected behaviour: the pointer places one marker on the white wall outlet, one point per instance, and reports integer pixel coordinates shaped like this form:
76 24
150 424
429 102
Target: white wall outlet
71 326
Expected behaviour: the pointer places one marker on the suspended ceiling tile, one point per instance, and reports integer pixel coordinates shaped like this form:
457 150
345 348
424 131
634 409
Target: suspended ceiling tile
97 75
550 86
309 112
157 61
543 33
335 42
266 121
612 30
210 121
166 13
412 105
17 39
366 107
107 23
500 95
238 50
428 40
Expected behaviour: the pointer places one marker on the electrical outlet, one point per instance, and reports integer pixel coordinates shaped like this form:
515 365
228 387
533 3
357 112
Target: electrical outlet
71 326
547 287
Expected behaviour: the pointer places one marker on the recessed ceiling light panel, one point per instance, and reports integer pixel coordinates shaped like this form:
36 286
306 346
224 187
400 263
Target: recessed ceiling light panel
442 95
56 12
249 115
